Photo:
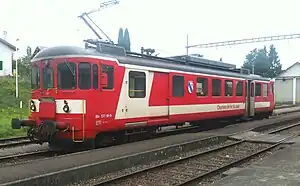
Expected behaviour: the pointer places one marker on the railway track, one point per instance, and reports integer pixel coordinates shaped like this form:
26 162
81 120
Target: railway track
13 142
196 166
17 158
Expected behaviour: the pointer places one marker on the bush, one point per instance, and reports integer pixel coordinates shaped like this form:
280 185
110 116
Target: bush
9 105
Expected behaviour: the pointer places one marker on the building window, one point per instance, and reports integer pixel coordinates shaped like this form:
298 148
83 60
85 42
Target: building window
137 84
228 87
202 87
109 70
178 86
216 87
265 90
66 74
95 76
239 88
84 75
1 65
257 89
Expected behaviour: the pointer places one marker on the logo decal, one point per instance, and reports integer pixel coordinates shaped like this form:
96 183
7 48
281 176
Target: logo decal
190 86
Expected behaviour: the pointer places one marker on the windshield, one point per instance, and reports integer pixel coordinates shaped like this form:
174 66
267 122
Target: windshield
66 75
35 77
48 77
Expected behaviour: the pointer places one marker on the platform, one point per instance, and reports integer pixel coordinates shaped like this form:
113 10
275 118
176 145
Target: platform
252 136
281 168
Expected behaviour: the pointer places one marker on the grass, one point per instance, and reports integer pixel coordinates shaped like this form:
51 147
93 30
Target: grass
9 105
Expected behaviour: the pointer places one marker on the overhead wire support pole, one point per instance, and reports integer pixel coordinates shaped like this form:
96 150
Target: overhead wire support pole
245 41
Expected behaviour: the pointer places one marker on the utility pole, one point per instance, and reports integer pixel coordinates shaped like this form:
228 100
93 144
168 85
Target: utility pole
187 44
17 82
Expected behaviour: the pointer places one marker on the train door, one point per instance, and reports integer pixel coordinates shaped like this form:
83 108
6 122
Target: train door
137 97
251 102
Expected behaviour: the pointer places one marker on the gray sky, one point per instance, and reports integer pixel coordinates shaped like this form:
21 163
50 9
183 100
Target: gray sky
159 24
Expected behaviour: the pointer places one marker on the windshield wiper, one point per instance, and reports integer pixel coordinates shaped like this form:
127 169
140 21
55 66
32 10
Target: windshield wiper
69 67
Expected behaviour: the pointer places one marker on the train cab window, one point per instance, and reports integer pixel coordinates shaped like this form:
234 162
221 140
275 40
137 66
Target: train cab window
137 84
35 77
202 87
108 71
239 88
265 90
66 75
84 75
95 76
178 86
228 88
216 87
257 89
48 77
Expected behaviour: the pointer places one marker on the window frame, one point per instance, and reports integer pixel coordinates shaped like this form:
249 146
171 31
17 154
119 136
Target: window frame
79 76
95 86
129 83
205 82
75 76
182 86
112 76
212 87
225 85
236 88
256 88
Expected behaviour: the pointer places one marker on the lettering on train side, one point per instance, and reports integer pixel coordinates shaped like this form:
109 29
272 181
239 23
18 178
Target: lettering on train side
228 107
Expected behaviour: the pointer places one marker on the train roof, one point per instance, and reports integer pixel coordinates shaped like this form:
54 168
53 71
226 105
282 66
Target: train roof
150 61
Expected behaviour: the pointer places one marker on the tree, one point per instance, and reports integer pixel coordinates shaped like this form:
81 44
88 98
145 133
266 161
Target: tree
276 67
266 63
124 39
127 40
24 65
120 38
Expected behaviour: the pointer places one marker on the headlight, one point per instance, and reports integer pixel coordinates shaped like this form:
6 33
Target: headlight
66 107
32 106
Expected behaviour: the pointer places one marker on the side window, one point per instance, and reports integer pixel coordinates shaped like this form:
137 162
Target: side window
48 77
257 89
228 87
216 87
109 71
84 75
66 74
137 84
1 65
252 89
178 86
95 76
265 90
202 86
35 77
239 88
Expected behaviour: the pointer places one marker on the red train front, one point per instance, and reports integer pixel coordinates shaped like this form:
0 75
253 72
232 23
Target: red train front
81 95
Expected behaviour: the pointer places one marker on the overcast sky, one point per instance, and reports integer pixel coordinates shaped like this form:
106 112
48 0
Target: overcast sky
159 24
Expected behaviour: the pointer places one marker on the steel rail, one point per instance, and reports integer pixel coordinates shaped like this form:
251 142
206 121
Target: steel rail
124 176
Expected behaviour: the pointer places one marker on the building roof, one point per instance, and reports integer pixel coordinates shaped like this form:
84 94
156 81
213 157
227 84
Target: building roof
8 44
288 68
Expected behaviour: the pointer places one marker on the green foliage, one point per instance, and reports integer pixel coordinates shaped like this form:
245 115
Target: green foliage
124 39
9 104
127 40
120 37
266 63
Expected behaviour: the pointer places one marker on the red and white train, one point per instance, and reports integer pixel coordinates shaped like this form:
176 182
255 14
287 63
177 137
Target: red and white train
94 94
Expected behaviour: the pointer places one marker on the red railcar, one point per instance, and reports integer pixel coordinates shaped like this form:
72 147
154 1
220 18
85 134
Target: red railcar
88 95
